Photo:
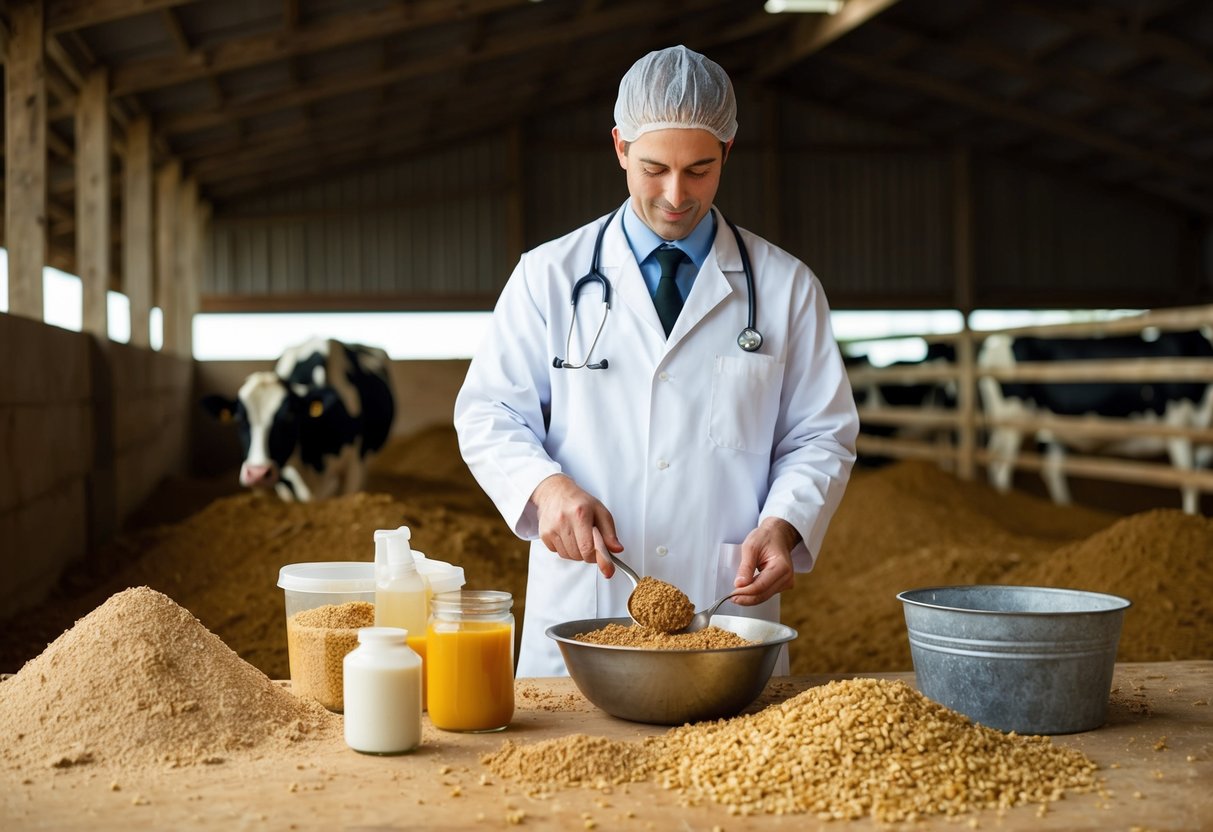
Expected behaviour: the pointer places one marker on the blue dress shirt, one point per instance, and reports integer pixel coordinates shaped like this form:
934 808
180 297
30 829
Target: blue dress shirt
644 241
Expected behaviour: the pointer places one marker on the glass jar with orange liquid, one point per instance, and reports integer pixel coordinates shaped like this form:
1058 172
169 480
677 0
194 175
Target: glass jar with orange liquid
470 660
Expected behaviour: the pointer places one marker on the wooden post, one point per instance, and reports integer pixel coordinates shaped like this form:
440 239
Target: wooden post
93 200
168 180
25 157
187 265
966 405
515 239
963 270
137 246
772 170
962 224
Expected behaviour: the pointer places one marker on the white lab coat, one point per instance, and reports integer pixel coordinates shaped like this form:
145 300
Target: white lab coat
688 442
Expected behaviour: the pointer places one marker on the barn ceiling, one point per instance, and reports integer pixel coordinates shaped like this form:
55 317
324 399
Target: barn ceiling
252 94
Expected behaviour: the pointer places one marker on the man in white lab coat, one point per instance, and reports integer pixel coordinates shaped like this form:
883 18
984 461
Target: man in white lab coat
702 464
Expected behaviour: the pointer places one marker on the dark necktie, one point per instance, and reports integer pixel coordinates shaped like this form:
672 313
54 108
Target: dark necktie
668 299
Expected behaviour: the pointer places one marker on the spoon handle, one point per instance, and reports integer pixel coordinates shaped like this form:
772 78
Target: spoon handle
602 549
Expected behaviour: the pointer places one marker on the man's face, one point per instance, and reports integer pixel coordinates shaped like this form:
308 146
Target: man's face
673 175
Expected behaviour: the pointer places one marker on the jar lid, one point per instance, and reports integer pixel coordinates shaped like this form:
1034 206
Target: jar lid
442 576
334 576
472 602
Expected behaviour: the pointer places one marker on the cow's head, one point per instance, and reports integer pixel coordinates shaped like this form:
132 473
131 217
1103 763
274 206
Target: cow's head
271 418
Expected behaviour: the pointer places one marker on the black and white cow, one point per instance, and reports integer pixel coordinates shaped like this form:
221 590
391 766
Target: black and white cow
879 395
308 427
1185 404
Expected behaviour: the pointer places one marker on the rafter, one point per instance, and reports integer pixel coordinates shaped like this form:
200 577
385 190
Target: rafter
811 33
1157 103
962 95
600 23
67 15
1108 24
267 47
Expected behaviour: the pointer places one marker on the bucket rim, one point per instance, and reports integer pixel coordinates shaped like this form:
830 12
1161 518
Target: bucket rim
1116 603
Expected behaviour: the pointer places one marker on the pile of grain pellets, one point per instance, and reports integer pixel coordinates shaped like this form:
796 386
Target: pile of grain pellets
318 640
140 681
846 750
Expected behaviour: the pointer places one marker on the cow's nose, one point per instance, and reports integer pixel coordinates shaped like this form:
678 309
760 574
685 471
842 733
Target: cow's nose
251 475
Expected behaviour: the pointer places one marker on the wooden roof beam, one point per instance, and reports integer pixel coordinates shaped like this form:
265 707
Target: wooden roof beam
267 47
68 15
600 23
496 111
983 53
812 33
957 93
1108 24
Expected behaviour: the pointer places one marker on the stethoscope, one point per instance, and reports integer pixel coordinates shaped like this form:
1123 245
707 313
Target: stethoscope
750 339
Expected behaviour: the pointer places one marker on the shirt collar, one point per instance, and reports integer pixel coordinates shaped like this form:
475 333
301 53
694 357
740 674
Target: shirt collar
643 240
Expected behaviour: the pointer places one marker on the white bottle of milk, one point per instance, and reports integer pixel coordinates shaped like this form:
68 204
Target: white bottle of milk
382 688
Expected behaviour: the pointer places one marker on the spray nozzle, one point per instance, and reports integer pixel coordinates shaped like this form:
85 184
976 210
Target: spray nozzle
393 555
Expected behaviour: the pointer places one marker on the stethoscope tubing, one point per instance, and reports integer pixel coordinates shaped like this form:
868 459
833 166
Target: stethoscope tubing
750 339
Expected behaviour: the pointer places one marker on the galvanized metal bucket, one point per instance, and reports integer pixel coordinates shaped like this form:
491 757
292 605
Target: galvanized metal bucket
1033 660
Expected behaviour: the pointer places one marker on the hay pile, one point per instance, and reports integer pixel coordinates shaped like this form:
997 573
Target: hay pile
900 527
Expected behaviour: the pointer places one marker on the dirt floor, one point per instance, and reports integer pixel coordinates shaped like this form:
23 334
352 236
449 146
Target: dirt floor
217 553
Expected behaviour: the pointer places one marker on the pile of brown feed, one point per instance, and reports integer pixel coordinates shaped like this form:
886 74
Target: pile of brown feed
904 526
140 681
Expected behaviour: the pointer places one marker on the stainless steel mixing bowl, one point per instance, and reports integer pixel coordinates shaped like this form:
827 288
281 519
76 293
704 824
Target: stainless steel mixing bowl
672 687
1030 659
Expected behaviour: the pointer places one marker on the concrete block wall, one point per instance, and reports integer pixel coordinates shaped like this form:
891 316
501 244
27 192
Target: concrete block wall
87 430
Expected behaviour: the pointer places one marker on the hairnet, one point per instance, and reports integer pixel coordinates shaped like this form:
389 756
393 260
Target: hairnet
675 87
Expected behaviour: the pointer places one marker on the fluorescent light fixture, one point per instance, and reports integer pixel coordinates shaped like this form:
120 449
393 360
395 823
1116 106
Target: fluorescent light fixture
819 6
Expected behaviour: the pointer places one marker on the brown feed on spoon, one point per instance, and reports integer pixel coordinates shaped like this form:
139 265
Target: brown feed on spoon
660 606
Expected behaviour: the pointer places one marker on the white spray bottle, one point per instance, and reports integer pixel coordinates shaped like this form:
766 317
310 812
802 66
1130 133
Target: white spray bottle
400 590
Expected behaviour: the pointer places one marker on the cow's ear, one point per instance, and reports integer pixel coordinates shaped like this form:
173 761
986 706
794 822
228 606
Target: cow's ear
221 408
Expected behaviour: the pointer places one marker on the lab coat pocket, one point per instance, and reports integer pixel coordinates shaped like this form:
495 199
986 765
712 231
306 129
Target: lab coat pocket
745 402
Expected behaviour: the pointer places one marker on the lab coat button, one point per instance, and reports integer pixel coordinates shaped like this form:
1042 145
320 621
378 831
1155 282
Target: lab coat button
662 465
662 551
663 375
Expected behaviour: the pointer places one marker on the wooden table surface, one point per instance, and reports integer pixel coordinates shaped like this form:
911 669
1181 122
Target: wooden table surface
1155 755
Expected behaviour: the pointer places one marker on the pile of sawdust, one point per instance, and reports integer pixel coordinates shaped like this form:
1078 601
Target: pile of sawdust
140 681
900 527
1162 560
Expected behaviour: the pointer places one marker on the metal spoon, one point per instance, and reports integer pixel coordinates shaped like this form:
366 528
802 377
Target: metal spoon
627 570
703 619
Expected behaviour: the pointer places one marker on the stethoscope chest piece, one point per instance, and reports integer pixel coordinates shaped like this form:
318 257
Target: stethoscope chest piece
750 339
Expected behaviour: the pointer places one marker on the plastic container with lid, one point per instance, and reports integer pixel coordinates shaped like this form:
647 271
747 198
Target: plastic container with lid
315 652
382 683
309 585
470 661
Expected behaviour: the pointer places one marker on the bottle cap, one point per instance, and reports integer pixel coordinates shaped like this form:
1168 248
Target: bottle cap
382 635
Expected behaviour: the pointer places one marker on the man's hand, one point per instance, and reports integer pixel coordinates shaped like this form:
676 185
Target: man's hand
568 520
769 550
